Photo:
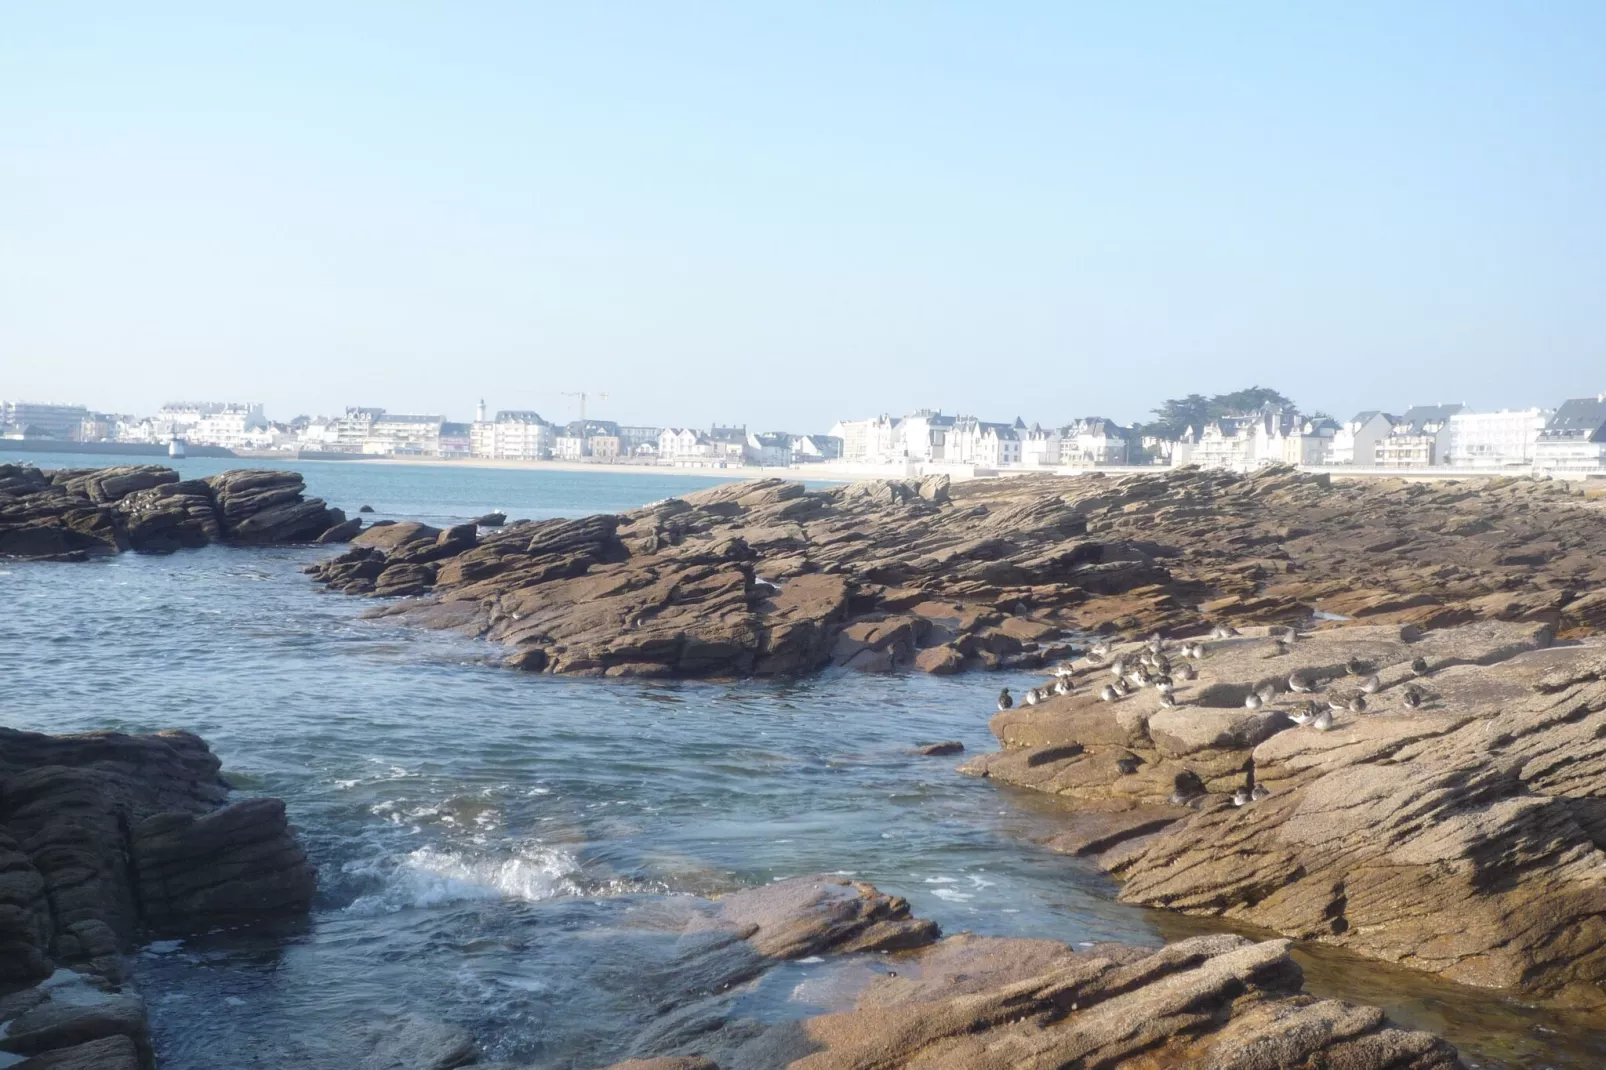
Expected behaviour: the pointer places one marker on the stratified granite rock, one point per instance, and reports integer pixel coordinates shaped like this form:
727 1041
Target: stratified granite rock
768 577
268 506
73 514
1462 835
103 833
970 1002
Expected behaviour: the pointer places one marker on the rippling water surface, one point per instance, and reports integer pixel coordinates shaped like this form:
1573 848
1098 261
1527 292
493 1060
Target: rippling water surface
515 853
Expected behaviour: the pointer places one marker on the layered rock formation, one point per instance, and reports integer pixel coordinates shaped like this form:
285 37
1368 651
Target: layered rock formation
75 513
970 1003
1459 832
103 836
769 577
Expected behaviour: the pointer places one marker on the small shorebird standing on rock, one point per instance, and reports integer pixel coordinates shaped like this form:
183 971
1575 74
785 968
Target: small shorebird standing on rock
1372 684
1323 722
1355 703
1412 698
1260 792
1301 682
1100 649
1108 693
1168 701
1004 701
1241 797
1419 666
1062 685
1282 647
1302 716
1186 672
1253 701
1354 666
1267 692
1031 696
1128 764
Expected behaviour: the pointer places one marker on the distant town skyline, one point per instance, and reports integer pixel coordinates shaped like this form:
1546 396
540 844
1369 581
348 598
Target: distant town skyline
716 210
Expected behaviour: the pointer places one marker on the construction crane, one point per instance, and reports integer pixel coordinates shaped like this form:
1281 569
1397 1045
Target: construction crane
582 395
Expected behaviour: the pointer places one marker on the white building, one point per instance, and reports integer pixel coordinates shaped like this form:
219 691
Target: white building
230 425
812 448
1495 439
341 434
514 435
33 420
676 444
1093 440
1226 443
1574 439
1419 439
873 441
1040 447
1311 442
772 449
923 436
396 434
984 444
1355 442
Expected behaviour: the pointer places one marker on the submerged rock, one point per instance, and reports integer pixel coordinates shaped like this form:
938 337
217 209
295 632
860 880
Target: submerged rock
976 1002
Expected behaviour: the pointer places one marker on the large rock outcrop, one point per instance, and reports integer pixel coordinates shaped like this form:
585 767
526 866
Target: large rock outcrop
104 835
971 1003
769 577
74 513
1455 824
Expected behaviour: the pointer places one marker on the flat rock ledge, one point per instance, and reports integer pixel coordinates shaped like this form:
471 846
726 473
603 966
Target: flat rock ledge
973 1003
1455 826
769 577
72 514
104 837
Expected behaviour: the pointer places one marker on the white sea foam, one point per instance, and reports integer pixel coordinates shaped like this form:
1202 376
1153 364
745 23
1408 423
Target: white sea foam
952 895
431 876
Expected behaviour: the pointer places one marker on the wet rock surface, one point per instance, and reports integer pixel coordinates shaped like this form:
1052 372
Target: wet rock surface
768 577
104 836
1453 825
968 1002
71 514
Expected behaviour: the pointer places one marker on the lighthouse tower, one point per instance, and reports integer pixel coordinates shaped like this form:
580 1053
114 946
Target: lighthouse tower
479 413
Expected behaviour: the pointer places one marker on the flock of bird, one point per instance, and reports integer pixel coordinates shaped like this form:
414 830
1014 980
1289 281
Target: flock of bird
1160 666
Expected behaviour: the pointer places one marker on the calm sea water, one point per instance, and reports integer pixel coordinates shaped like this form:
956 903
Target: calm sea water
514 854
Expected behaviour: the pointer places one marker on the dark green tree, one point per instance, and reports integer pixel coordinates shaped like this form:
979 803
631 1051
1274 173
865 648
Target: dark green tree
1178 414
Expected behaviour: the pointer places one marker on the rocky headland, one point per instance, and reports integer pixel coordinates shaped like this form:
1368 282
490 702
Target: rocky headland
769 577
72 514
105 838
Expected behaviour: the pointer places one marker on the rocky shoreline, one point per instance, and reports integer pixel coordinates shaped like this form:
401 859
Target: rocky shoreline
104 839
1458 831
771 578
73 514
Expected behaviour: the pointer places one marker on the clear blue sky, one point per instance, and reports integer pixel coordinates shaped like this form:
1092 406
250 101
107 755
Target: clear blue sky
788 213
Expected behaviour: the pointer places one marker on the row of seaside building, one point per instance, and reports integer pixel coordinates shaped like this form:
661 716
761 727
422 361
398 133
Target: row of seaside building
1571 438
1568 439
517 435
